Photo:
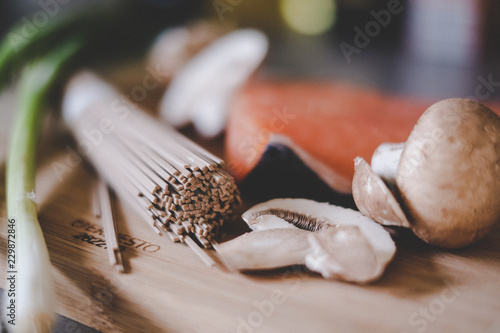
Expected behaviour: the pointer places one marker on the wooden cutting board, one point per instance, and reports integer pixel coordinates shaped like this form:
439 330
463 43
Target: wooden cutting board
166 287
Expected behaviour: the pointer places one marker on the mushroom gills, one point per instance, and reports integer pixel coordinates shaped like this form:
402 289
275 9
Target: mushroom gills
301 221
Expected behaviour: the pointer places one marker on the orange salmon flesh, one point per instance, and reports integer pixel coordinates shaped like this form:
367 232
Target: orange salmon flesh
332 122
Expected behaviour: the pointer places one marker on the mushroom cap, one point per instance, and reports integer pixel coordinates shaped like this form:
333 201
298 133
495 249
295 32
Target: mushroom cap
449 173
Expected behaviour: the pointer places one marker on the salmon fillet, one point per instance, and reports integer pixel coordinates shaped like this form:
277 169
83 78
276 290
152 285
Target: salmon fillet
326 124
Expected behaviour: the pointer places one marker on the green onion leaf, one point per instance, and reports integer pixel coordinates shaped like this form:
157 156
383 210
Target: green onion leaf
35 297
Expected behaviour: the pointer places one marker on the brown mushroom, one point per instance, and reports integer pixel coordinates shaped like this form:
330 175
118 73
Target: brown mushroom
448 176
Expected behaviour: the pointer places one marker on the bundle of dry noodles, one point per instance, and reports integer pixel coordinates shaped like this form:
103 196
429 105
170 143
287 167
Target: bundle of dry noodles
177 186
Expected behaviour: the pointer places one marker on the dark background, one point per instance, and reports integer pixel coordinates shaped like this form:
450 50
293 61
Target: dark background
433 48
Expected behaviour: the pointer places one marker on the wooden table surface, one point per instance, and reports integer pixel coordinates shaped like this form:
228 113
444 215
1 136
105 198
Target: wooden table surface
166 288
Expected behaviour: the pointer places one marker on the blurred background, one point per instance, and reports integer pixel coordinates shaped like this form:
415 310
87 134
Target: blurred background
428 48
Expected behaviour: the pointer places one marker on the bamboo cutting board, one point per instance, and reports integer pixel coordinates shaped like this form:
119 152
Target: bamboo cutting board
166 288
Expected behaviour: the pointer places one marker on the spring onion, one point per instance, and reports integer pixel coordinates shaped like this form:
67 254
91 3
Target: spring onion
35 296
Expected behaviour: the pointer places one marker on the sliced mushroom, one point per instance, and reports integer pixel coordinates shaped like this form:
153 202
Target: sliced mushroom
344 253
174 47
270 248
373 198
201 91
314 216
336 236
448 175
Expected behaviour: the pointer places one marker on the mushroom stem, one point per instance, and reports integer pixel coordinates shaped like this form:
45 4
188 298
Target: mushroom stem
264 249
385 161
